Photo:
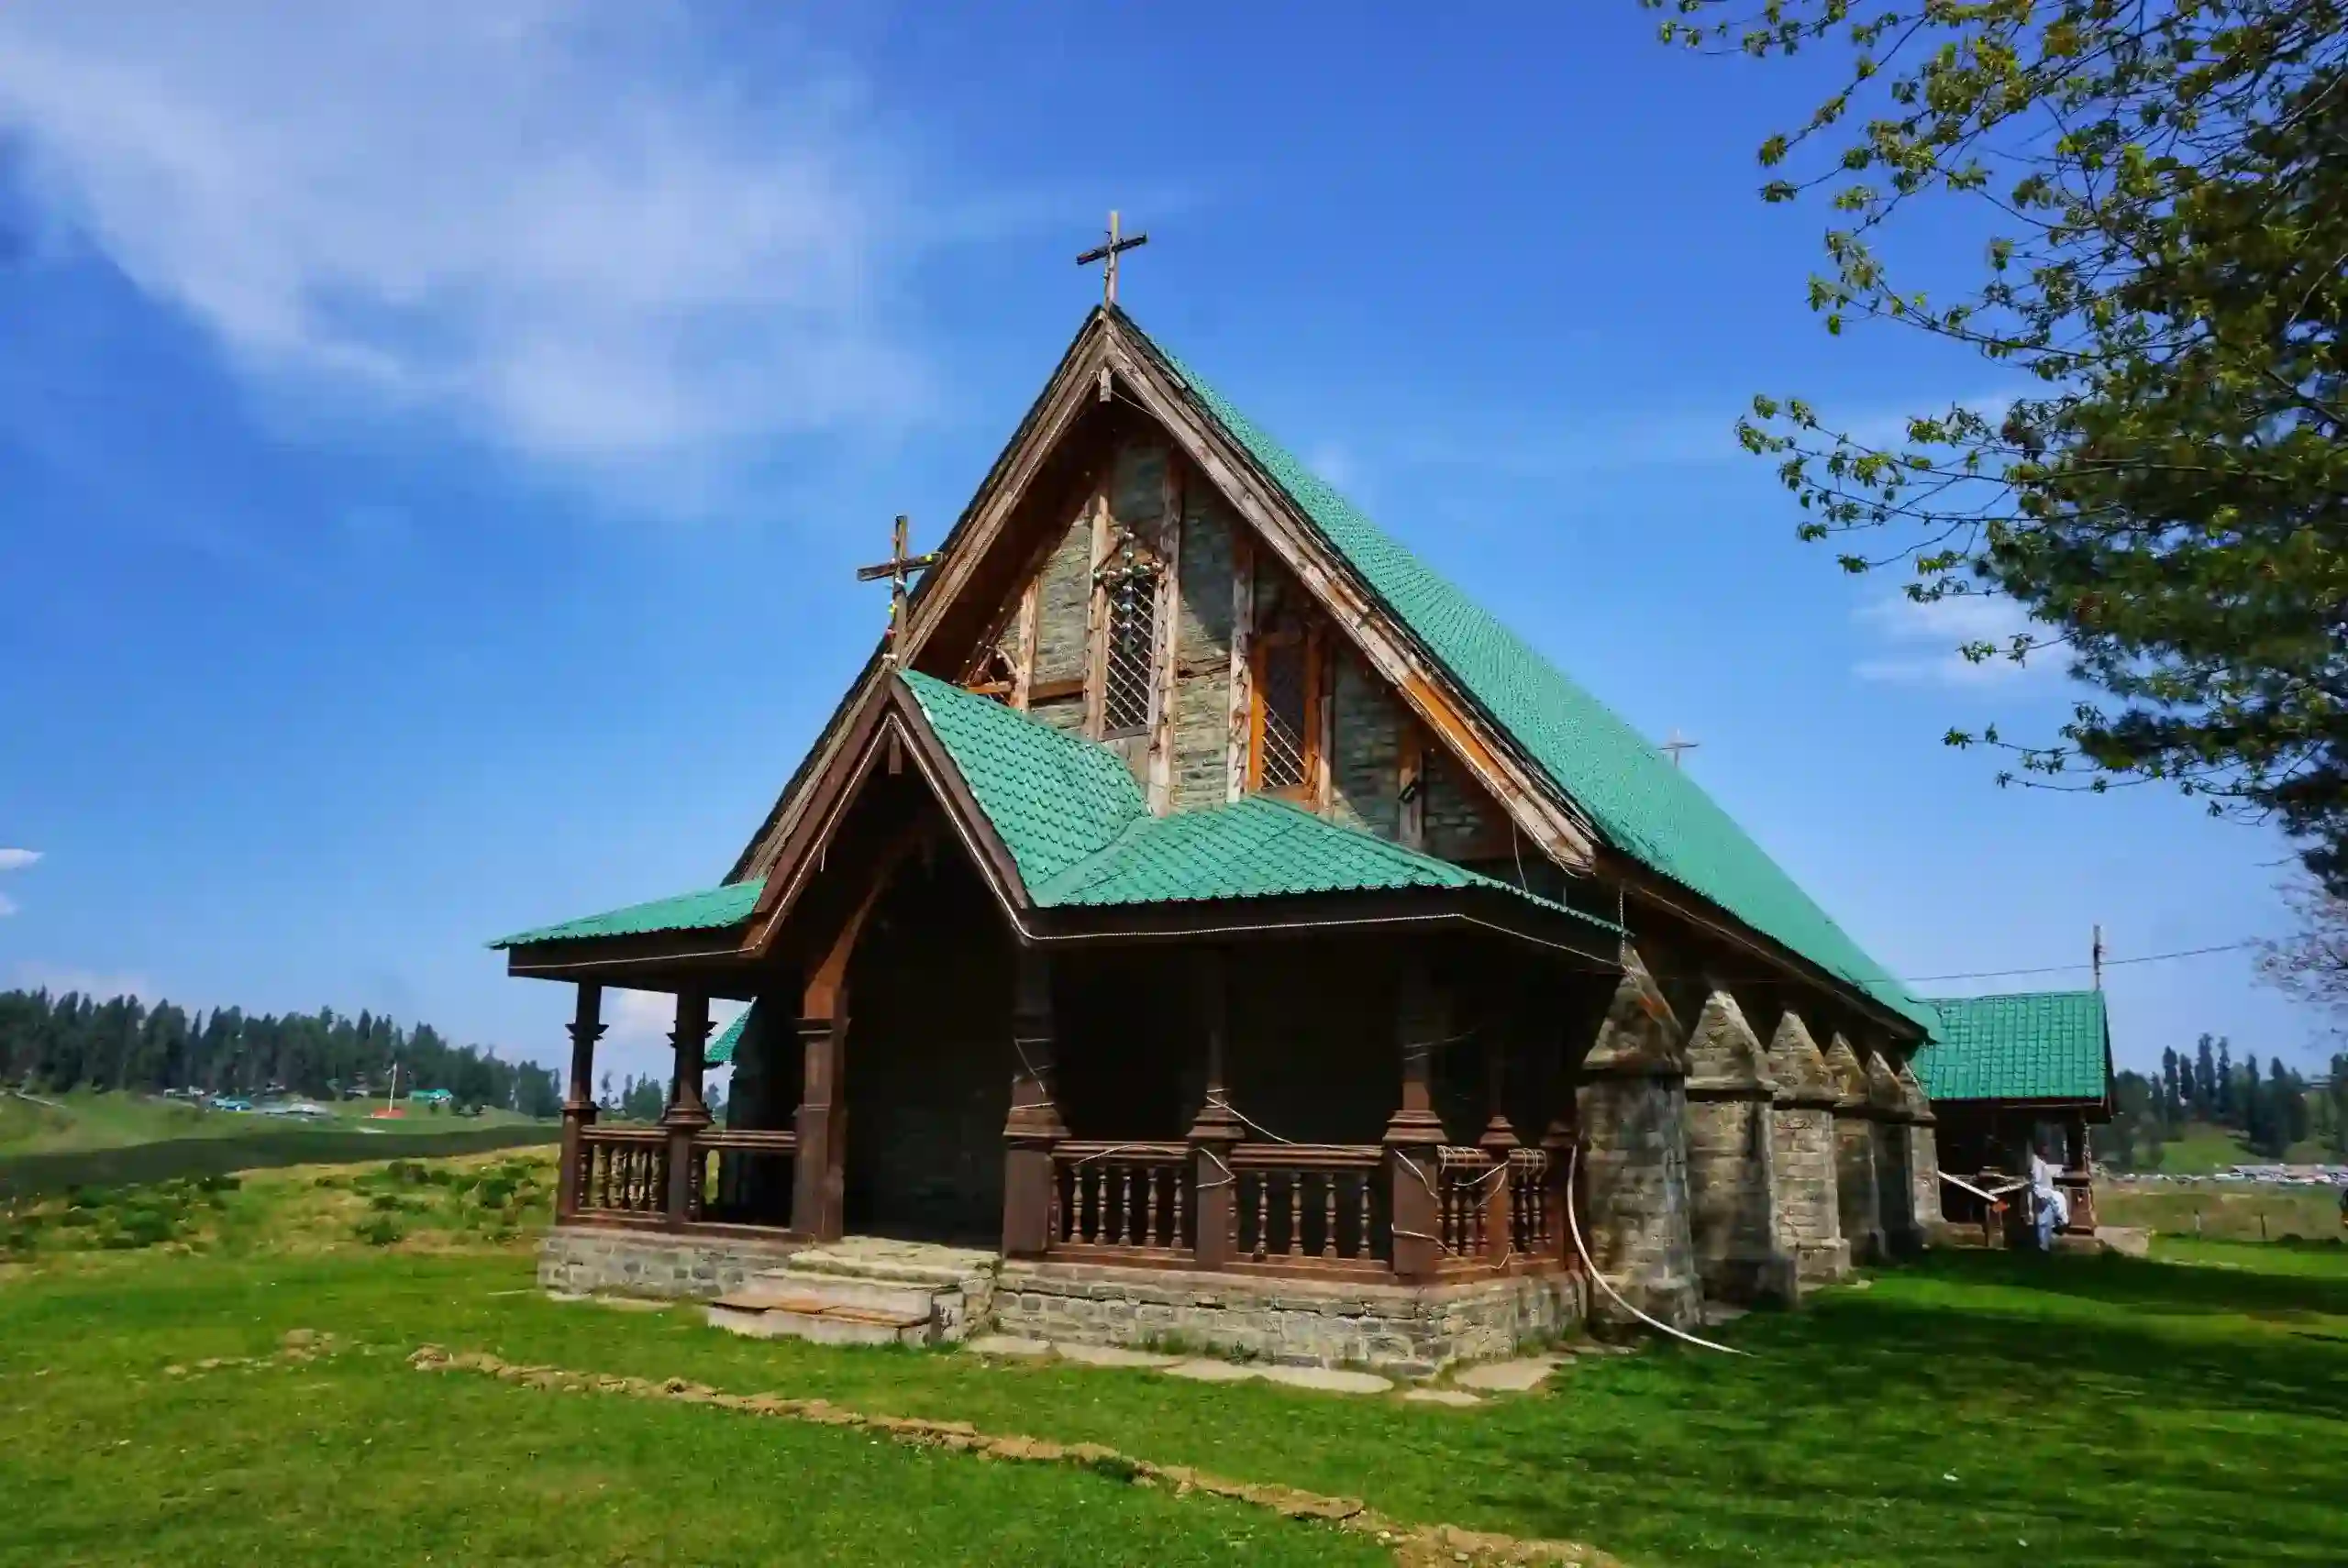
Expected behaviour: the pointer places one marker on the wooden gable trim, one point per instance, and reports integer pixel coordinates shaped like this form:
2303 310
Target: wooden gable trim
891 727
1520 789
1048 420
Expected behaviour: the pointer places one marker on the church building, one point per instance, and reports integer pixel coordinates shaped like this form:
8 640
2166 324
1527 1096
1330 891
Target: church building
1201 921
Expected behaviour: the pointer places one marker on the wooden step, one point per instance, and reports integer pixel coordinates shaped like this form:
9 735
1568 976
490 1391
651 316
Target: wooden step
795 1284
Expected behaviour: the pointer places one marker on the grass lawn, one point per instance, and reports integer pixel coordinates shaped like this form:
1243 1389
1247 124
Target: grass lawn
83 1119
1975 1408
2238 1211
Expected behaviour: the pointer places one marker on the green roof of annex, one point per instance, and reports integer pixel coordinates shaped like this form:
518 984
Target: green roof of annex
2025 1046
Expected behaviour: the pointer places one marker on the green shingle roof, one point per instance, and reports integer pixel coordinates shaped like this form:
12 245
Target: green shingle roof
1640 802
1081 836
2028 1046
707 910
719 1052
1082 833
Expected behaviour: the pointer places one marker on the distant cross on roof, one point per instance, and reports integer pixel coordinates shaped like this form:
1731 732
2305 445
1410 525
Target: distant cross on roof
896 568
1118 244
1676 746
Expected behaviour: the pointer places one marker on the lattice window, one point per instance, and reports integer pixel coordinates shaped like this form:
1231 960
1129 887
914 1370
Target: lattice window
1286 713
1287 697
1129 579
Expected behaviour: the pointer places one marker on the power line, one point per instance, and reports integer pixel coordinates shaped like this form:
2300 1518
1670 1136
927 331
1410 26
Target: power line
2070 968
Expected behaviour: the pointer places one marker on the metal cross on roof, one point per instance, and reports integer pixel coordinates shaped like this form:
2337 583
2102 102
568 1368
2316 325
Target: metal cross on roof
1118 244
1676 746
897 569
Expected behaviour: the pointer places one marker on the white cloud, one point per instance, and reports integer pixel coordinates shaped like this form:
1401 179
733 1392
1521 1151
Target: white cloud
58 979
572 228
1922 640
14 860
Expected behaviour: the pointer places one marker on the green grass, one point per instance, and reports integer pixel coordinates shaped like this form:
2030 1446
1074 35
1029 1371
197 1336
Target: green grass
2240 1211
2102 1410
83 1119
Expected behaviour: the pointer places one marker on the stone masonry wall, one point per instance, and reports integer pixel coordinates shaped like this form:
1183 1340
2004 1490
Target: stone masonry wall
1064 603
1854 1181
1924 1164
1896 1185
1365 774
1411 1332
1636 1155
1733 1202
1202 733
582 1260
1808 1213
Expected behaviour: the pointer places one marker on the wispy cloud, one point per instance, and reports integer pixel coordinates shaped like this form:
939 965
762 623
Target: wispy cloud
58 978
15 860
1921 641
570 228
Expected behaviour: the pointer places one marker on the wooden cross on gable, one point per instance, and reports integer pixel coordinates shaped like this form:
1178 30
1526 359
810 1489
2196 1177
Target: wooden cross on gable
897 569
1117 246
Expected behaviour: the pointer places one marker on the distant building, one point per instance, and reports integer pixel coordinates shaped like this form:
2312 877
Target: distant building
2003 1071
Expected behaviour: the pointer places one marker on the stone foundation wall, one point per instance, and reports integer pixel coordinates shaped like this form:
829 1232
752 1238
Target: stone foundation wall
1636 1203
1733 1200
582 1260
1859 1197
1809 1212
1409 1331
1896 1189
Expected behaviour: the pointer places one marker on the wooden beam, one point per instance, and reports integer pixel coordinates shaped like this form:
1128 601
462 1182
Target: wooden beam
1023 673
1096 614
1411 787
1168 627
1244 745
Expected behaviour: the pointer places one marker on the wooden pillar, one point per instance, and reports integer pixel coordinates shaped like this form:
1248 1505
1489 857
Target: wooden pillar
579 1099
1033 1125
686 1115
1499 1142
2078 1141
1217 1130
817 1182
1414 1132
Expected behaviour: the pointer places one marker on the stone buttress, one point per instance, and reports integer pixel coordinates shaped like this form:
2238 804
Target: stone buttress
1923 1152
1894 1172
1633 1104
1810 1214
1858 1195
1741 1254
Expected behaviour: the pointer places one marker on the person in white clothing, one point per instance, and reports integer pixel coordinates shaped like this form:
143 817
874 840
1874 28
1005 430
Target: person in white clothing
2045 1201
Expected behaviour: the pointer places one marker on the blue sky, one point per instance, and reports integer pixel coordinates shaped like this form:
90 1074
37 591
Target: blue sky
435 441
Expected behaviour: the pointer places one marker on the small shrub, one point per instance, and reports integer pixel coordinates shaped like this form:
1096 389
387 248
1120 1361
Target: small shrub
377 1231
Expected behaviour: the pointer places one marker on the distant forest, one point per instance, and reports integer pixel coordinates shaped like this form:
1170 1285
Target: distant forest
2276 1112
73 1040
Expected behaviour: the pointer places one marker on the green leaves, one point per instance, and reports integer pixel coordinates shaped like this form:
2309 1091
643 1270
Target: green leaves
2170 266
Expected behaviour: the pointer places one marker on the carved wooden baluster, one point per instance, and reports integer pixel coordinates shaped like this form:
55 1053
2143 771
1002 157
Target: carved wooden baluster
1052 1209
1362 1247
1295 1213
1148 1206
1328 1214
1174 1236
1263 1214
1119 1176
1471 1195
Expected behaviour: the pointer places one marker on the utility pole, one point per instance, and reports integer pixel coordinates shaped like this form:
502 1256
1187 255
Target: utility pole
2095 957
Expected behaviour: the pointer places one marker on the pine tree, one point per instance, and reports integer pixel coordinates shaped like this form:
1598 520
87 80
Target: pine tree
2229 1106
2205 1081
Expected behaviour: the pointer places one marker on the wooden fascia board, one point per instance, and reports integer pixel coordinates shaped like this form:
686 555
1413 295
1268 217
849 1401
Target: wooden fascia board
893 715
1688 905
571 960
1523 790
1039 431
1324 914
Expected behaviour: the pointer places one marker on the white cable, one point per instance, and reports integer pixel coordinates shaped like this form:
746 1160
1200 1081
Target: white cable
1573 1222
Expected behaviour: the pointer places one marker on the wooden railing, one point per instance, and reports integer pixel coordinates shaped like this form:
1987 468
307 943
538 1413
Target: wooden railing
1464 1178
622 1170
1122 1198
1535 1230
2078 1193
1320 1203
741 1172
